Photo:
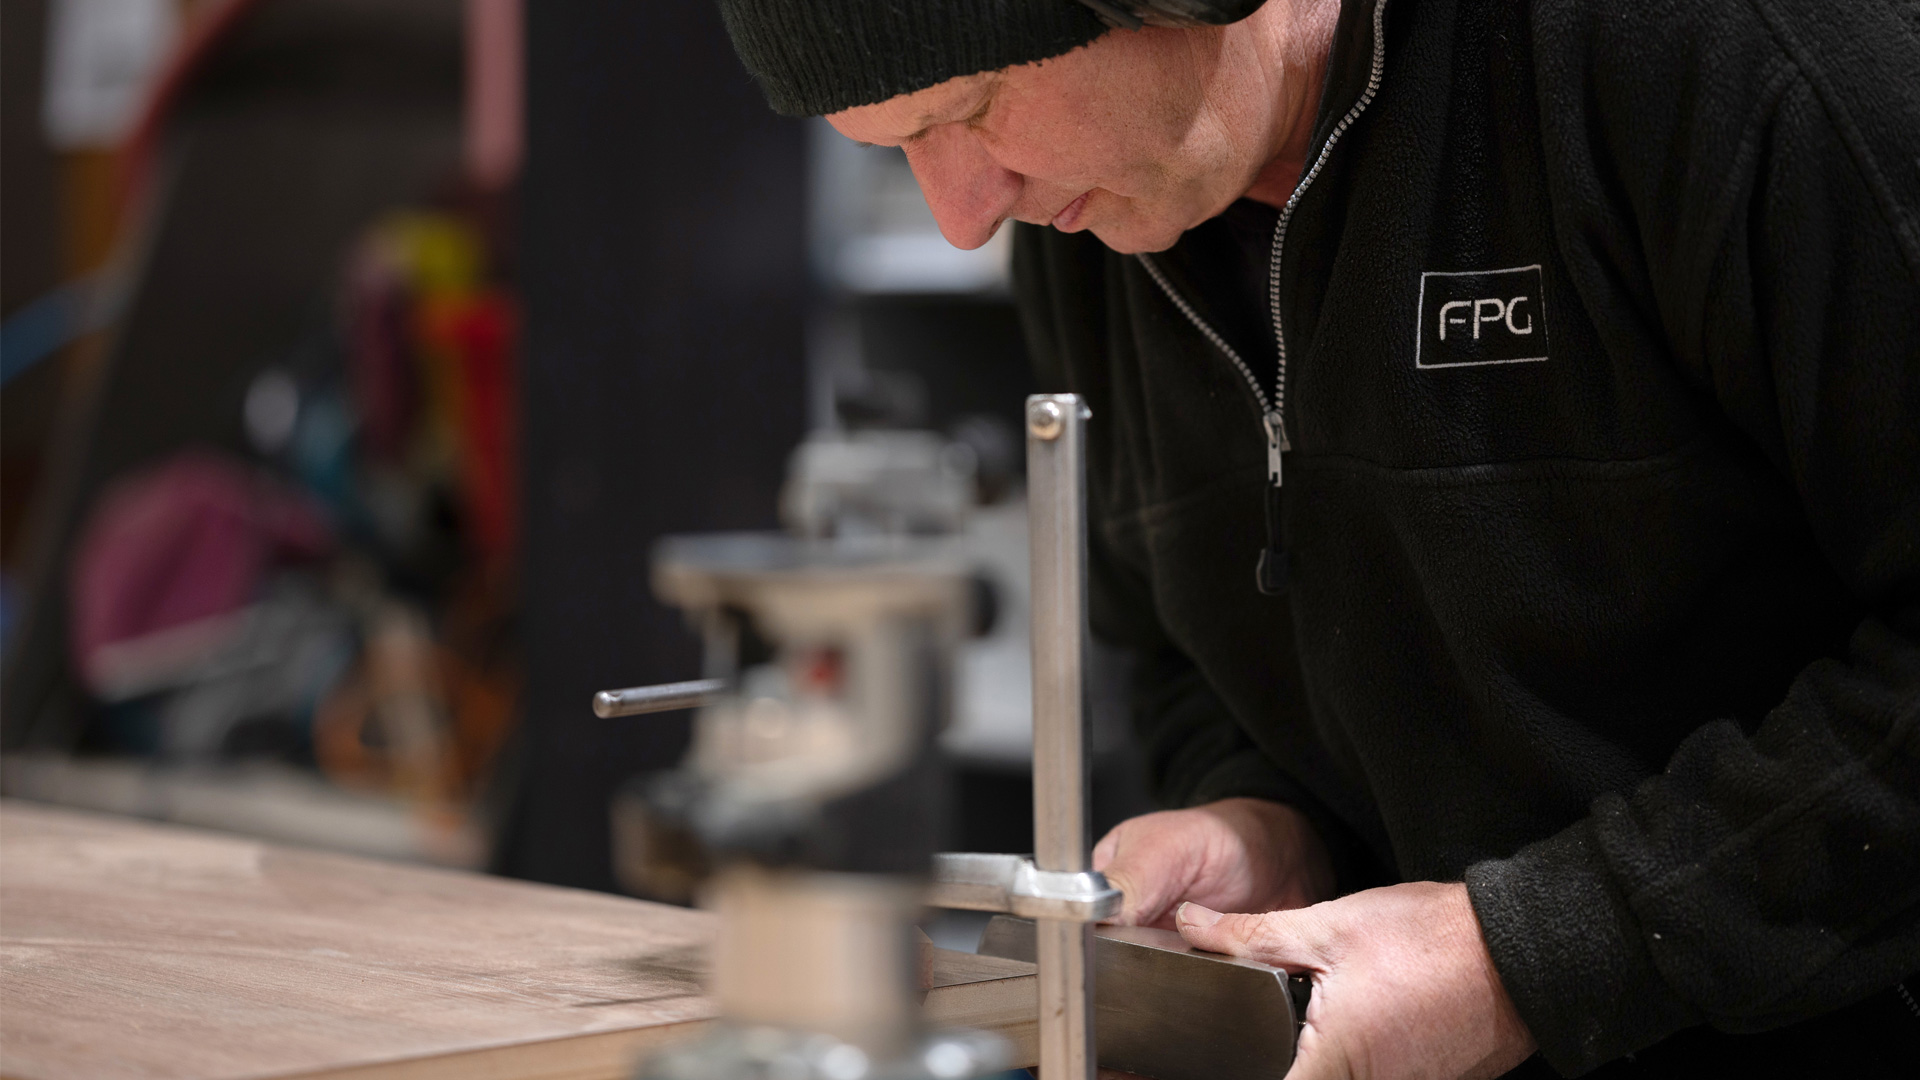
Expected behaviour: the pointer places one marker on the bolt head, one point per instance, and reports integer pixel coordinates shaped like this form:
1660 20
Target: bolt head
1045 419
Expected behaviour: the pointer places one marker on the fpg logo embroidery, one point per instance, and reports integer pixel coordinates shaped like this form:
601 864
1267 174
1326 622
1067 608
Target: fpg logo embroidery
1474 317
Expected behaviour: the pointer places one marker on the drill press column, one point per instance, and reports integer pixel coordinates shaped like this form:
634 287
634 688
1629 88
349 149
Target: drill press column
1057 531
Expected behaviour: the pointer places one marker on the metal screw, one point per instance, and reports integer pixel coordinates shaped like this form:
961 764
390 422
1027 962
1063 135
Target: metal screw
1044 419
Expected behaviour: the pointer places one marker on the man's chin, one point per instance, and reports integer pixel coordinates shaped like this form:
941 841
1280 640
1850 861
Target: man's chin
1138 238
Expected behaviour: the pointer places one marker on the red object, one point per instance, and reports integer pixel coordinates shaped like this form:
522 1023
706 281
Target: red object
478 333
821 673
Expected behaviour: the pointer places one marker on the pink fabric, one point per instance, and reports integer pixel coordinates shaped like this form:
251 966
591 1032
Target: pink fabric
183 541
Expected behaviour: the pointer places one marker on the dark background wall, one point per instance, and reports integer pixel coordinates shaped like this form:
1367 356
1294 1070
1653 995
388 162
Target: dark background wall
309 118
663 267
28 208
30 257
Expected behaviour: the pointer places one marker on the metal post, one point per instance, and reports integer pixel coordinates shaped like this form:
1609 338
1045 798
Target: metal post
1057 531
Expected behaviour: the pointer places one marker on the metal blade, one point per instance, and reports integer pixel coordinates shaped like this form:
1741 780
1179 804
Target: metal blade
1169 1011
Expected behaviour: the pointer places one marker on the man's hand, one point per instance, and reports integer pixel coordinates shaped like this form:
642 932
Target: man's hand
1231 855
1403 987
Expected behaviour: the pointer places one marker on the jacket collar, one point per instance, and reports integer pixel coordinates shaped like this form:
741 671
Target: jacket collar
1349 65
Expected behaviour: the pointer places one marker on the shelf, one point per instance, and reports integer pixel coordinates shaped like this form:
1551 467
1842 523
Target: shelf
265 800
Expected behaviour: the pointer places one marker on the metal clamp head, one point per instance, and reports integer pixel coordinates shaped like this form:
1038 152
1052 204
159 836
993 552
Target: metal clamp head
973 881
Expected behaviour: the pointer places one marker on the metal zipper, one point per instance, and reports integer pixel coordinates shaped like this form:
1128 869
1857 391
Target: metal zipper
1907 996
1273 414
1276 436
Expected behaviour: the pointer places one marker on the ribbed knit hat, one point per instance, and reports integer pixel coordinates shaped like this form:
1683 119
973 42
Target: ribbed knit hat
814 57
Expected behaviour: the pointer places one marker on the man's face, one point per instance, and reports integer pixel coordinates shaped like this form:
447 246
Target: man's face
1138 136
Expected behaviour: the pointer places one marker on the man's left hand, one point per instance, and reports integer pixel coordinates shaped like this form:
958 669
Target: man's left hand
1403 987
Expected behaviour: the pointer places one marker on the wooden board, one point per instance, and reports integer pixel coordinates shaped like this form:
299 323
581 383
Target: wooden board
132 950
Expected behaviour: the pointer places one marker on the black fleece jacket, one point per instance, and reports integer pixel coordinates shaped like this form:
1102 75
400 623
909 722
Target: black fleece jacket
1601 507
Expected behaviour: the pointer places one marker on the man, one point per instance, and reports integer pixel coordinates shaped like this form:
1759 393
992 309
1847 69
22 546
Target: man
1506 467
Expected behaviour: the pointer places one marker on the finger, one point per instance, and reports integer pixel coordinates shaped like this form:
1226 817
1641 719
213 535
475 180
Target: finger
1130 897
1147 904
1273 938
1134 901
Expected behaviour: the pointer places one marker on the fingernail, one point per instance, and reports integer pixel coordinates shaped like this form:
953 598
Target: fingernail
1194 915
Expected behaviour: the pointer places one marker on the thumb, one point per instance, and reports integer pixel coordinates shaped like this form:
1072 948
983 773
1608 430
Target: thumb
1271 938
1140 905
1136 907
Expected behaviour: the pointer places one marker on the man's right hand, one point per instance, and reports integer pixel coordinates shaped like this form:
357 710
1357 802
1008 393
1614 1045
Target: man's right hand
1247 855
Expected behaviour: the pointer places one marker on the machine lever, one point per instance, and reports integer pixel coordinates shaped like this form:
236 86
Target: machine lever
666 697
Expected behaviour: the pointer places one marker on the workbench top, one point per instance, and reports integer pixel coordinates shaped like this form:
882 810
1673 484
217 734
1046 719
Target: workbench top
138 950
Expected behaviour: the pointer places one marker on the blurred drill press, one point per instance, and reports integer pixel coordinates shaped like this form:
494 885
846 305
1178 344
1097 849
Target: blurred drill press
812 801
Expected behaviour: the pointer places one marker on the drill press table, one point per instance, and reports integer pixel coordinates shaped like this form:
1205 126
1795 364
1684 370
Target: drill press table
129 949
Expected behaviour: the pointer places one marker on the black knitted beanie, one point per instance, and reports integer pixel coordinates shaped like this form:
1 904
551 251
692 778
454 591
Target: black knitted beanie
814 57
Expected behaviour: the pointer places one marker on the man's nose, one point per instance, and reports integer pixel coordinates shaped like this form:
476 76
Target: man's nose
969 193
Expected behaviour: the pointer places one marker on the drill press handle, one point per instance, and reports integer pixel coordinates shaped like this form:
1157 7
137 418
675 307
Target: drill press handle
666 697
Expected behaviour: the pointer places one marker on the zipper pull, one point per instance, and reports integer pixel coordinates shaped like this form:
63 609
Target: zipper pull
1276 444
1270 573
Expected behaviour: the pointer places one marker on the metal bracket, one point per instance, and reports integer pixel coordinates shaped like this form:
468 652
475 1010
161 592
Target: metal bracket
1165 1009
1011 884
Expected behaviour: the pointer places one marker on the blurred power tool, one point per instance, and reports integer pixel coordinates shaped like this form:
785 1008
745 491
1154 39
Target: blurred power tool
808 808
810 800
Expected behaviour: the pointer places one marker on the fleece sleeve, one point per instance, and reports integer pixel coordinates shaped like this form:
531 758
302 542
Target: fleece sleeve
1771 872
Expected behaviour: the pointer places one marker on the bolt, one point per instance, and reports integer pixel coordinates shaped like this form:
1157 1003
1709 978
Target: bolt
1044 419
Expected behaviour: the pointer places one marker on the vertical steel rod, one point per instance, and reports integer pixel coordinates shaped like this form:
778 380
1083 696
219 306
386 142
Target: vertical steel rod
1057 538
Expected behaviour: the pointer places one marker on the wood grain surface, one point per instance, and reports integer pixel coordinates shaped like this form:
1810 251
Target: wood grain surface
132 950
